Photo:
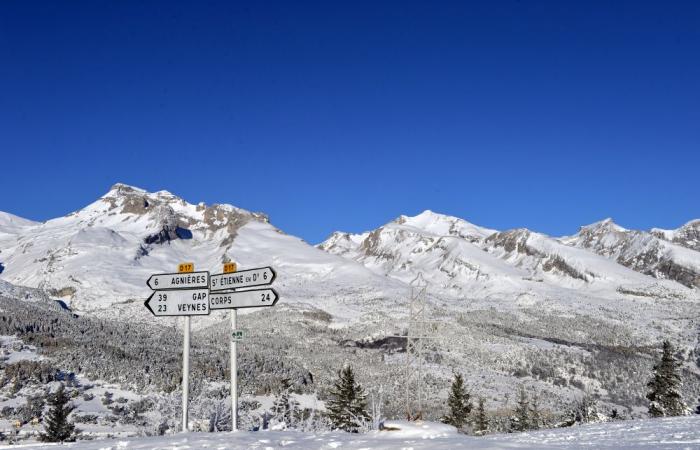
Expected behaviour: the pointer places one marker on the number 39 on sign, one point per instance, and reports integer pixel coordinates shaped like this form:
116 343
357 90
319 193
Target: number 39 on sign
162 299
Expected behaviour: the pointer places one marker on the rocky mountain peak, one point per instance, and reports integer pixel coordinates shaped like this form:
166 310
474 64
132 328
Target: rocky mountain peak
687 236
603 226
165 208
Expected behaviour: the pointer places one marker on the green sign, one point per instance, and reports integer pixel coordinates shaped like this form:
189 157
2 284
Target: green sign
238 335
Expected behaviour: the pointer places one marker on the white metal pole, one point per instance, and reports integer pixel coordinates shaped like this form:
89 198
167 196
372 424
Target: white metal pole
185 373
234 372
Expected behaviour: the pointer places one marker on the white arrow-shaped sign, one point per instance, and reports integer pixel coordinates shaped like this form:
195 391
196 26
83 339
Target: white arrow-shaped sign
243 299
245 278
189 280
184 302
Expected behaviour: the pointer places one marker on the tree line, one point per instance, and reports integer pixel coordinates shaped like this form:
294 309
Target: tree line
664 396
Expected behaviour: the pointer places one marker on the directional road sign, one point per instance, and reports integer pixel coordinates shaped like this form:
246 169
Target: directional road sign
184 302
254 298
190 280
245 278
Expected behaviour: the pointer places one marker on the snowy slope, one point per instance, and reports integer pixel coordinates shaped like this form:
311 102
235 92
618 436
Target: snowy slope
10 224
658 434
10 227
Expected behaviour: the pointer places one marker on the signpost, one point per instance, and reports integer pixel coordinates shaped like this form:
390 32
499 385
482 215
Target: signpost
180 280
185 293
189 302
261 276
253 298
188 293
225 295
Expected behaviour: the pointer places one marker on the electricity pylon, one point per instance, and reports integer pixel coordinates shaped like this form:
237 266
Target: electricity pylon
420 329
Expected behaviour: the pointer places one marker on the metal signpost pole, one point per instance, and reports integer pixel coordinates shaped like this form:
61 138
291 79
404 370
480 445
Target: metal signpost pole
225 294
185 373
185 268
231 267
234 372
185 293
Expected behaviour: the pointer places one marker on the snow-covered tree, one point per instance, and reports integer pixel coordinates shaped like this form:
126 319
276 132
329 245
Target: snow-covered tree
348 403
585 410
521 419
31 410
107 398
481 422
285 410
219 417
377 400
57 427
664 387
458 402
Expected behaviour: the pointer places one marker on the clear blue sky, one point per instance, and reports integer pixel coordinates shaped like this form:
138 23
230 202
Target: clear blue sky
344 115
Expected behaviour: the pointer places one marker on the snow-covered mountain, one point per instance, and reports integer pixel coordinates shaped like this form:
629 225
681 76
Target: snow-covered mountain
458 257
446 250
104 253
645 252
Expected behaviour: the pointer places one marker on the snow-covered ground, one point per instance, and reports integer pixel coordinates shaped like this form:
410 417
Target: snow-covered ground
658 434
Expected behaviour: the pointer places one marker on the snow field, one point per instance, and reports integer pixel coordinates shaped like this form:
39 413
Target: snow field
658 434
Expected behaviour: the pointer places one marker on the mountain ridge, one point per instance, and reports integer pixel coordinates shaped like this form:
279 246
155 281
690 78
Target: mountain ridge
521 248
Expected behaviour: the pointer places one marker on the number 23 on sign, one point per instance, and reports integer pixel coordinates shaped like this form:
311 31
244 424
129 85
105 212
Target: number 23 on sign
161 306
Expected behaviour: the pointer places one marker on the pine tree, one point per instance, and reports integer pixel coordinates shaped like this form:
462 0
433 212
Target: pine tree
459 403
57 427
697 410
285 408
348 404
664 387
521 421
585 410
481 424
